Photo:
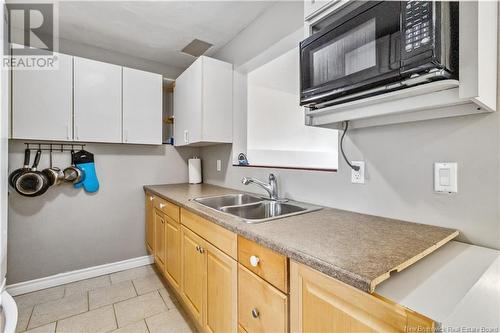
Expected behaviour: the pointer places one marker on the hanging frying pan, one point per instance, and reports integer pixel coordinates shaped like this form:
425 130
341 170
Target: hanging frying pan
72 174
53 174
14 174
32 183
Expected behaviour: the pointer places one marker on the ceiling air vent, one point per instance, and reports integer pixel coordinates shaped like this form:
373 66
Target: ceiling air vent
196 48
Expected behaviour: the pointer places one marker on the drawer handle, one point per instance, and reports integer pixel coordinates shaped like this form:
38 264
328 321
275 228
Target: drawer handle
162 206
255 313
151 198
254 261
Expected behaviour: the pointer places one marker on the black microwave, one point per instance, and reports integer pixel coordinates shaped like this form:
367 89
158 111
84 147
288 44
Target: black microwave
377 47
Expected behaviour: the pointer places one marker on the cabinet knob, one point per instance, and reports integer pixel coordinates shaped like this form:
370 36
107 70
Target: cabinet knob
202 250
151 198
254 261
255 313
162 206
198 248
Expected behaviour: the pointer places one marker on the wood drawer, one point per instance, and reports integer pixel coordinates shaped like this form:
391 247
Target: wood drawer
271 266
221 238
261 307
168 208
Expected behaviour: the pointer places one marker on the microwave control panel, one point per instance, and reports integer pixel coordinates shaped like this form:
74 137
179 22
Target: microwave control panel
417 26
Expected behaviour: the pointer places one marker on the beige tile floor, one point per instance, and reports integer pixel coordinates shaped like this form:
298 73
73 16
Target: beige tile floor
131 301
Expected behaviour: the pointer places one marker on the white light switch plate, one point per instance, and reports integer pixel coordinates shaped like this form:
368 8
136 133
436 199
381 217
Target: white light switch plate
358 177
219 165
445 177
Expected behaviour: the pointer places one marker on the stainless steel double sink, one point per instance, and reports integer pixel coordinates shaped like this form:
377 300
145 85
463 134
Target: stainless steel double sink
255 209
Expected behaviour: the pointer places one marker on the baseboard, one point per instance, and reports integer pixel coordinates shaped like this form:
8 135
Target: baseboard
80 274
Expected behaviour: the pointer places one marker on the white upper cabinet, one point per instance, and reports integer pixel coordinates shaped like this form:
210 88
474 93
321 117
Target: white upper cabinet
313 8
97 101
42 102
203 103
142 105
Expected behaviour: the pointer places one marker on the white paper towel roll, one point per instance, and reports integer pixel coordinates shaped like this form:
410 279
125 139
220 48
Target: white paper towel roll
194 170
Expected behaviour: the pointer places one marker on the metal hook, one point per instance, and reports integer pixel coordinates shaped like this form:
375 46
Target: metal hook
50 156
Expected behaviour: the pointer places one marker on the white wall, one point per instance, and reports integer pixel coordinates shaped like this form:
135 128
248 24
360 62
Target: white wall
67 229
112 57
399 160
277 135
4 134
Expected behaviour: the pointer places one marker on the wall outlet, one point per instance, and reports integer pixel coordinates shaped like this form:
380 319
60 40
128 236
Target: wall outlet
219 165
358 177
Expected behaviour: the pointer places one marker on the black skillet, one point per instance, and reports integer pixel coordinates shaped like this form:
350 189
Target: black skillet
32 183
16 173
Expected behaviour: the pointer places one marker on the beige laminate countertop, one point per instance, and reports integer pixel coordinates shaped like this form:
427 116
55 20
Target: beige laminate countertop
358 249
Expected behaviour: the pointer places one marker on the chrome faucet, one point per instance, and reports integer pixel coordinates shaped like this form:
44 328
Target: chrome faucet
271 187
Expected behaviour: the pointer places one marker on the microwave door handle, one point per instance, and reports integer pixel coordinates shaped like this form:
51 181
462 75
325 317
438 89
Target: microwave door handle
316 97
395 47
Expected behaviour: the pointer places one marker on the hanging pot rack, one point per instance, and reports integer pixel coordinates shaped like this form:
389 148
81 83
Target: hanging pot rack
54 147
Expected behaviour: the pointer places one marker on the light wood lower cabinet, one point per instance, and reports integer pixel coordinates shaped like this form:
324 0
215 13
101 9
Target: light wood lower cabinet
173 253
150 223
261 307
193 272
266 263
319 303
221 291
208 285
222 295
159 253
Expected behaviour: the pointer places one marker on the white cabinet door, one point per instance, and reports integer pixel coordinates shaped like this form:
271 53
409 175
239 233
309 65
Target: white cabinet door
314 7
97 101
188 105
142 107
42 102
217 101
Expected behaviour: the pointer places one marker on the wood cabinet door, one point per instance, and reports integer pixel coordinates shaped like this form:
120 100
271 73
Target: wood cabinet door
150 226
42 102
173 264
160 239
142 107
97 101
221 291
320 303
193 274
261 307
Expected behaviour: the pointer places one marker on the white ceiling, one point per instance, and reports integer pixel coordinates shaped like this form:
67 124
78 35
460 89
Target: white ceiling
156 30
